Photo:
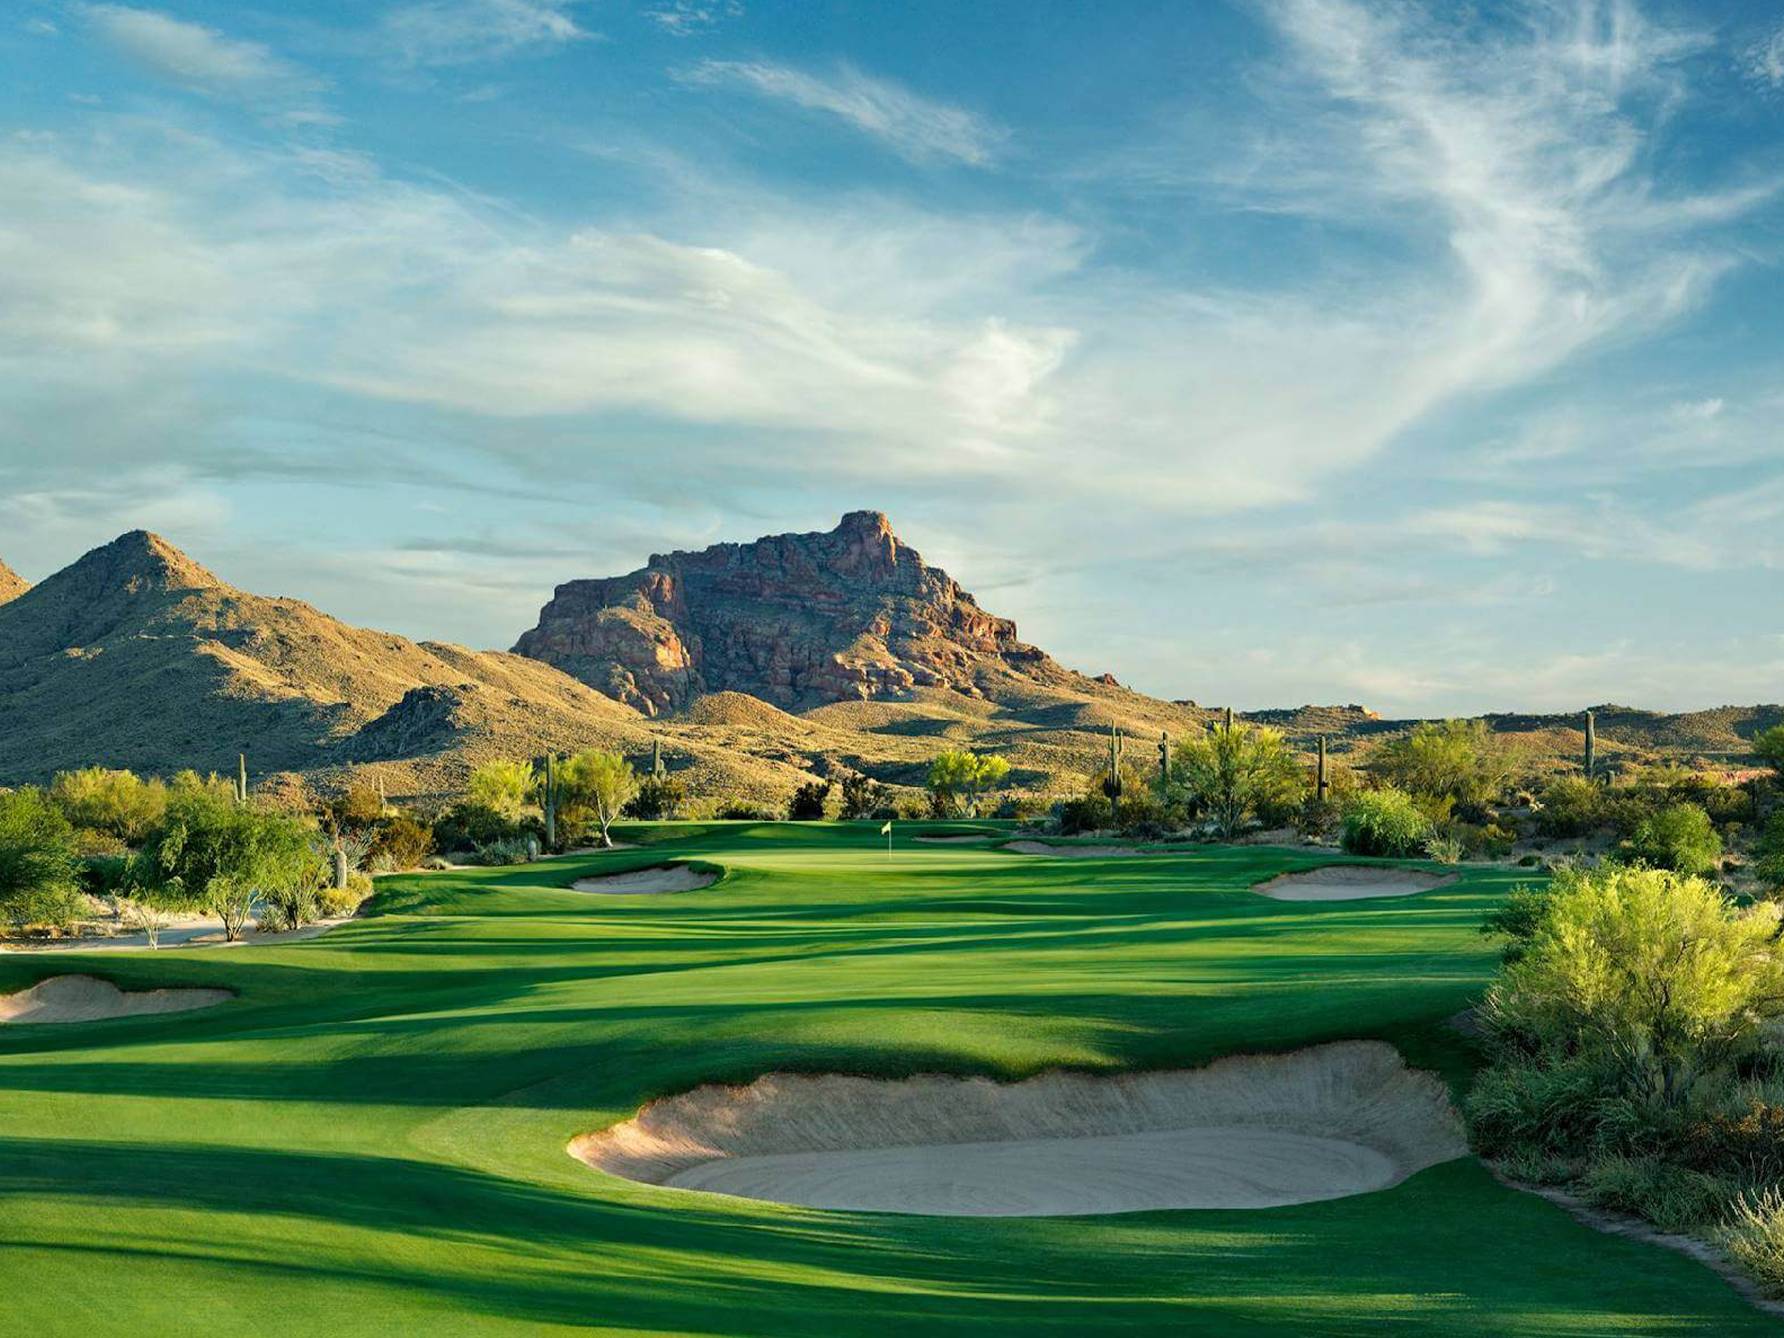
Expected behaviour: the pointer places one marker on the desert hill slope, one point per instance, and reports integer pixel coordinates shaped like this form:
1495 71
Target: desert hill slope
137 656
12 585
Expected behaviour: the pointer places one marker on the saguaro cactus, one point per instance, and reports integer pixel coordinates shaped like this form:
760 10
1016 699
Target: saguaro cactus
1591 743
550 803
1113 787
656 757
1322 778
1229 720
340 867
1164 762
241 778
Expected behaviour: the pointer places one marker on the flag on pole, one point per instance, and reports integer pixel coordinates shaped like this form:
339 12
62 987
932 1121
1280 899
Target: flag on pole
886 830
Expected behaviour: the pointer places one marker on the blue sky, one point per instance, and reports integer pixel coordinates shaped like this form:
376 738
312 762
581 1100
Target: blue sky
1266 352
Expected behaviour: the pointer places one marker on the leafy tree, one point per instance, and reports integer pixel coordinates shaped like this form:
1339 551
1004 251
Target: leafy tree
1768 747
502 787
595 786
958 779
807 803
1679 837
862 797
1458 760
1238 772
1387 823
399 842
120 803
213 853
292 872
38 867
1655 974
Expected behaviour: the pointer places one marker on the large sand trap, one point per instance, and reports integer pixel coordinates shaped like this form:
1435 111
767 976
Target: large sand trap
89 999
1351 882
670 878
1068 852
1246 1132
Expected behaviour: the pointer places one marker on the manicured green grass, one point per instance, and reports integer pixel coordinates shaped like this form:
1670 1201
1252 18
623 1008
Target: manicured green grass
370 1140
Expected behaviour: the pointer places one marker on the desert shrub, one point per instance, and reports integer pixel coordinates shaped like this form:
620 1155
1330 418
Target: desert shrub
1671 1196
337 901
466 825
1680 837
658 797
913 809
1087 813
212 852
1749 1142
740 810
1517 919
39 882
864 797
1495 840
1385 823
1238 774
1444 847
1458 760
398 843
1023 807
808 801
959 780
496 853
1571 806
1768 856
1546 1108
503 787
1754 1236
118 803
1656 976
357 808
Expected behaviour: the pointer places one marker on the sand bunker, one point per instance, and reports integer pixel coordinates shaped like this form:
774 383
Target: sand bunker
89 999
1068 852
1351 882
951 840
1247 1132
670 878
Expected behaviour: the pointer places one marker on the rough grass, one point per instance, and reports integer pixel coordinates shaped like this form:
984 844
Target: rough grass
371 1139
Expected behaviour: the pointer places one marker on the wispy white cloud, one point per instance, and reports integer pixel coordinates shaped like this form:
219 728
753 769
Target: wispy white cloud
463 32
1764 59
917 128
689 18
206 61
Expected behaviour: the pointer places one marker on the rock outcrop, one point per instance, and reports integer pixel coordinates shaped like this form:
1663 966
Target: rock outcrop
794 619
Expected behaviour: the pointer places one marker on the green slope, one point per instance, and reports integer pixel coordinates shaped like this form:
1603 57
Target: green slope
371 1139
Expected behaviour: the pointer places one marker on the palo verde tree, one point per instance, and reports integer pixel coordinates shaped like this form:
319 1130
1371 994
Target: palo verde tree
959 779
1235 773
38 883
502 787
595 786
1459 761
215 854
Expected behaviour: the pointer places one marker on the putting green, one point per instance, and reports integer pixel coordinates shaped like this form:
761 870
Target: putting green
371 1138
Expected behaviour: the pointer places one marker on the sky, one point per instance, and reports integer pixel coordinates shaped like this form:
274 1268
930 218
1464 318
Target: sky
1424 356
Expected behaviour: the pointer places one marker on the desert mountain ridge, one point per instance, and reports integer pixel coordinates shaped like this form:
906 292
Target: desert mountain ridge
12 585
752 666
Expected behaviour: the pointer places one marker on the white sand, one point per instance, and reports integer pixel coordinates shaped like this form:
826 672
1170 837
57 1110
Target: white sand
1351 882
1068 852
951 840
88 999
1245 1132
670 878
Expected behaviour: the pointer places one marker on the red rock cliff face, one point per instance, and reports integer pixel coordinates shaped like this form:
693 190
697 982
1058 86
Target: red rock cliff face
795 619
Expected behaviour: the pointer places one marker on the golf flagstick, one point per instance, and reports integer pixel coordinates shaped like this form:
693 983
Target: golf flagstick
886 832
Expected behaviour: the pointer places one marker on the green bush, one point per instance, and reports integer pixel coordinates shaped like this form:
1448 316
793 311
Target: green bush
1768 747
959 779
1239 774
807 803
1571 806
39 871
118 803
466 825
339 901
1768 862
1461 761
1679 837
1385 823
658 797
399 843
501 853
1087 813
1535 1107
1672 1197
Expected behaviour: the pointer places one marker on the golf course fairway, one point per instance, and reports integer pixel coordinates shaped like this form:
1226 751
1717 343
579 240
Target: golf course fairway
371 1136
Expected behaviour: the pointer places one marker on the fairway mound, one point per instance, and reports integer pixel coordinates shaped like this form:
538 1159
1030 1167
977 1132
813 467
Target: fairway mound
89 999
643 882
1068 852
1351 882
952 840
1252 1131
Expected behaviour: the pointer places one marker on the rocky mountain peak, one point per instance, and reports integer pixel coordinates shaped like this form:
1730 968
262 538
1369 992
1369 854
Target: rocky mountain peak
12 585
794 619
